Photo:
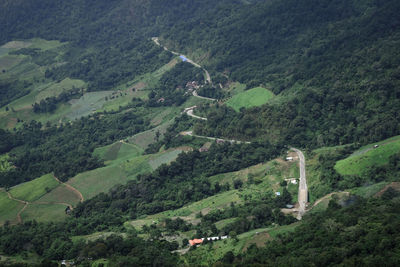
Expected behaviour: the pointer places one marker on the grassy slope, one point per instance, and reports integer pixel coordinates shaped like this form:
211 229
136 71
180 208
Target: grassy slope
250 98
33 190
44 213
60 194
369 156
22 66
125 162
8 208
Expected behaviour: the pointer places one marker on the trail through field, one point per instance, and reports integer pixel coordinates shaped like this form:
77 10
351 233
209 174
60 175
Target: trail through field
20 212
27 203
72 189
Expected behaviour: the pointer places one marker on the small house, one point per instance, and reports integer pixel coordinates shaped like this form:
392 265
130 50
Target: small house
289 158
195 242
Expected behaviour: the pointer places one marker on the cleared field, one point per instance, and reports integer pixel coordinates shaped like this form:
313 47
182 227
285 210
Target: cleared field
144 139
129 150
250 98
55 89
87 104
109 152
118 150
33 190
8 208
17 44
44 213
166 157
60 194
103 179
369 156
9 61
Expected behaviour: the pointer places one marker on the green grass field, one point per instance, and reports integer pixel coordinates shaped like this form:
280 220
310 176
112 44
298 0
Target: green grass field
56 88
8 209
60 194
33 190
118 171
250 98
44 213
164 158
368 156
144 139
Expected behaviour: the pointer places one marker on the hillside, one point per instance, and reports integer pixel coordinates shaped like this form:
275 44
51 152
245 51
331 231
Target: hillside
129 127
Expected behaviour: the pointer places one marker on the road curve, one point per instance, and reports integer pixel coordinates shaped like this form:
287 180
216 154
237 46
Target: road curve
189 112
303 190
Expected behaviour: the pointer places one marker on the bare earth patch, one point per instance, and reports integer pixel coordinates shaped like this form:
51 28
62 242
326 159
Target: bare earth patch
394 185
16 45
138 86
259 239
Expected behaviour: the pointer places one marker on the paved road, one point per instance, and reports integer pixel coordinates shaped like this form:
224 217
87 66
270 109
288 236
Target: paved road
303 190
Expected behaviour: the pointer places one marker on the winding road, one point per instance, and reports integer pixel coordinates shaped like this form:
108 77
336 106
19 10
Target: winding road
208 77
303 190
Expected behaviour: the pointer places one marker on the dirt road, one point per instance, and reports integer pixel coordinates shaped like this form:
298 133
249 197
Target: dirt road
208 77
190 133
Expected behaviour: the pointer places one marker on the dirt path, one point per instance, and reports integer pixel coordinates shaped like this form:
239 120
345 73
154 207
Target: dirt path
327 196
19 218
190 133
27 203
72 189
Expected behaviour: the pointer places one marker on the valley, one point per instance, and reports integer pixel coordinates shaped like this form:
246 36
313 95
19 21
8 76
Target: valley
246 133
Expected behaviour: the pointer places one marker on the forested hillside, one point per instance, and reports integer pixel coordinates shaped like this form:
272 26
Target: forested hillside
88 95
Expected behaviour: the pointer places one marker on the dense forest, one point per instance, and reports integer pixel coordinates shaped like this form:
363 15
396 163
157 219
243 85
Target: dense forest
362 232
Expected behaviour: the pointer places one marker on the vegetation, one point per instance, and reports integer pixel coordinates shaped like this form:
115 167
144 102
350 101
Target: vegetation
365 230
250 98
73 105
33 190
369 156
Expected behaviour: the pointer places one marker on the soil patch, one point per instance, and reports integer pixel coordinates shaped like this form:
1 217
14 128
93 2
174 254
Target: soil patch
394 185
